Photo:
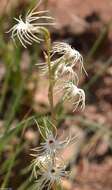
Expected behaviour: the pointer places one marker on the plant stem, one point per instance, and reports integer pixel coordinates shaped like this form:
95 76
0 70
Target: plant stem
51 77
5 88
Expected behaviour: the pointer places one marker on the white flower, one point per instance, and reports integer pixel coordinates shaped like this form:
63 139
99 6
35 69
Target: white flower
67 72
73 94
64 66
51 173
30 29
52 144
70 55
61 70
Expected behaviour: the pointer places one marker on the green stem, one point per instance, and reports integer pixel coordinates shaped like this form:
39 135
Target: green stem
97 43
96 77
5 88
51 77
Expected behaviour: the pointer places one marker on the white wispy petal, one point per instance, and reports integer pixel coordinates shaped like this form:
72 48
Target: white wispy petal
66 71
29 29
66 64
72 94
52 144
71 55
51 173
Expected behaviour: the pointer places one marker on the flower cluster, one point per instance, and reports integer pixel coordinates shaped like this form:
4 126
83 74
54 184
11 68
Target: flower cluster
31 28
48 167
65 71
64 66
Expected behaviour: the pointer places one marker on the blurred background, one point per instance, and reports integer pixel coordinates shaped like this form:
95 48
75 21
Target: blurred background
87 26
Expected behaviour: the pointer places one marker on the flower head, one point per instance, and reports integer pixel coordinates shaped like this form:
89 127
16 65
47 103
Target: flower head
70 55
52 144
64 65
48 166
30 29
51 173
66 71
73 94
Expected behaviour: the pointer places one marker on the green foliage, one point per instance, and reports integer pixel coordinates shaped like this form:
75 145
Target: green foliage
12 93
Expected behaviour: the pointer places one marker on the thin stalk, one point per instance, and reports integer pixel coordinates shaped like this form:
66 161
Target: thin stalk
96 46
17 98
97 43
11 164
51 84
4 90
51 77
50 91
96 77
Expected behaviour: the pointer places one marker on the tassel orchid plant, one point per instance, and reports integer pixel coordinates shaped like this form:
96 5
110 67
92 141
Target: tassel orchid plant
48 168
